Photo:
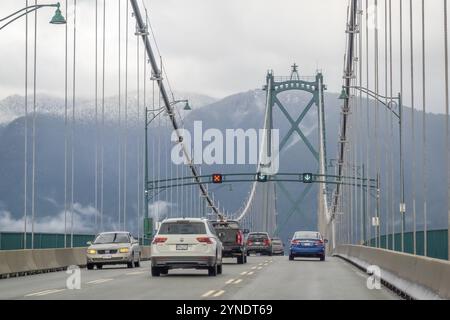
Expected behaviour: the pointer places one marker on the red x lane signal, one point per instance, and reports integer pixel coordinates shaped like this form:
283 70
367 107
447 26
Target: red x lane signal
217 178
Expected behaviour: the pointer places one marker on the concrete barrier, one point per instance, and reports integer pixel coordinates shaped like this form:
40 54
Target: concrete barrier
416 276
20 262
146 253
4 266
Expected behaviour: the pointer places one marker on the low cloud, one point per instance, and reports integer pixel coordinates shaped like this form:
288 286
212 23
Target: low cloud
83 221
159 209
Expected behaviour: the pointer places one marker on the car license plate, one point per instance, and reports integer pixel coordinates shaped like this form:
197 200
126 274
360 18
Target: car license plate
307 244
182 246
258 243
107 256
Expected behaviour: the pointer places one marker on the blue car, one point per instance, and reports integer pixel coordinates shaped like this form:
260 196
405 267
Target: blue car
309 244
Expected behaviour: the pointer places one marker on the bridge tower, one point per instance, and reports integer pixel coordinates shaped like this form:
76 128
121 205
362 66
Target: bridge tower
313 85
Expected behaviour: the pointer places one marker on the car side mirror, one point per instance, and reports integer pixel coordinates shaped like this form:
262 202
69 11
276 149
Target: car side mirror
326 240
89 243
246 231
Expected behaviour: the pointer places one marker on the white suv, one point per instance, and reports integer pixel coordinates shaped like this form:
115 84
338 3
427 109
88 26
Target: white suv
186 243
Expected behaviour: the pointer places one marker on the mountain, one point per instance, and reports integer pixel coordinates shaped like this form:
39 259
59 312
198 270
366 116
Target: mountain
243 110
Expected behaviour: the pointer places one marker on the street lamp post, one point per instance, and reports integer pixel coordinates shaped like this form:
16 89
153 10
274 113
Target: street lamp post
392 103
154 114
57 18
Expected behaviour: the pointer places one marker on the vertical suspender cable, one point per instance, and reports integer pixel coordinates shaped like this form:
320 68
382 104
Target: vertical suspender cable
138 168
25 175
73 121
391 158
447 126
33 169
424 135
102 147
96 119
386 149
413 186
402 187
119 207
66 130
376 130
368 202
125 141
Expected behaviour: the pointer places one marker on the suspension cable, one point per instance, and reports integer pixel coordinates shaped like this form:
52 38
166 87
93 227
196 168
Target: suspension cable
424 134
66 130
413 135
33 175
25 193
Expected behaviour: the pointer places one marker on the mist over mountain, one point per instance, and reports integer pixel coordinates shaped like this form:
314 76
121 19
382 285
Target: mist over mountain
243 110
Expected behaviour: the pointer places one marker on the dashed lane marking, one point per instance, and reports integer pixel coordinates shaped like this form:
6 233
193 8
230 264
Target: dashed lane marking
207 294
237 281
43 293
253 268
259 268
250 273
99 281
229 281
219 293
135 273
244 273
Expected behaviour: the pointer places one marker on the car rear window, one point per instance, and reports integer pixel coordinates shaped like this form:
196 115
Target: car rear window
307 235
226 225
182 227
276 241
257 236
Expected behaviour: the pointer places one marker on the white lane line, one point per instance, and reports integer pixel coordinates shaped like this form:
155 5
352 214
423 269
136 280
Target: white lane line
253 268
218 294
99 281
260 264
259 268
135 273
244 273
229 281
238 281
250 273
43 293
207 294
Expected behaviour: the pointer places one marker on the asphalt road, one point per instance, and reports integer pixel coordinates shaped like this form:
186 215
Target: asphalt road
261 278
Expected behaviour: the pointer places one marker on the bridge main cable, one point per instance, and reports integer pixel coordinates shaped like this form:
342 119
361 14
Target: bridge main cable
157 72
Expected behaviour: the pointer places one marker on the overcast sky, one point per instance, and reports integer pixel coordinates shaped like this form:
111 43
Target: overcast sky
210 47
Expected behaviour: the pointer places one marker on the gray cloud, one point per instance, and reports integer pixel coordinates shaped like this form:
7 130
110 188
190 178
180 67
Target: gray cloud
214 47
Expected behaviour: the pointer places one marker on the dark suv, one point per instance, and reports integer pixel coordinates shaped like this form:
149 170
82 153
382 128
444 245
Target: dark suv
232 237
259 242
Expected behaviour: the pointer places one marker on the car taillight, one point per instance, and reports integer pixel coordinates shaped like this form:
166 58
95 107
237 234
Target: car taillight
159 240
266 242
204 240
319 243
239 238
249 242
295 241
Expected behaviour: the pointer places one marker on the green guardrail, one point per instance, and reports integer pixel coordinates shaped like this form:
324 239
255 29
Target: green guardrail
15 240
437 243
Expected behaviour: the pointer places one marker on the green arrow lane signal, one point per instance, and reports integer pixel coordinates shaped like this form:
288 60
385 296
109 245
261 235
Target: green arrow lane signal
261 177
307 177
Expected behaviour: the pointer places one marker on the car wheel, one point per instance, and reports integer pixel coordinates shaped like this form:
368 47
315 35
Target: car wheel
99 266
156 272
270 253
240 259
219 269
130 264
212 271
137 264
291 257
90 266
164 271
245 258
322 258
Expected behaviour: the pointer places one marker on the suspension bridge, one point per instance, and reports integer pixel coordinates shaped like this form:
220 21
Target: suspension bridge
382 201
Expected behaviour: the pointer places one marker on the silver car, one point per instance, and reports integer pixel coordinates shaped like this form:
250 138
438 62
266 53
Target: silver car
111 248
277 246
